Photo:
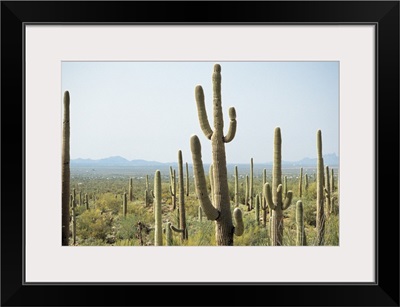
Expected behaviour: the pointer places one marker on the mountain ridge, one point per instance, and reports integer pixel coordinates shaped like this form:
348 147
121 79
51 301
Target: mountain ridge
329 159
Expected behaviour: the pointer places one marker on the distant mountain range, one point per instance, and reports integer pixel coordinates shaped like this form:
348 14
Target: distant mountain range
329 159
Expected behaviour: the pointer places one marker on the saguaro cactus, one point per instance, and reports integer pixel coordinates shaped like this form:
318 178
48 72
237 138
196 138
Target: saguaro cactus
220 211
301 235
328 206
301 183
182 217
264 205
172 186
130 189
124 204
236 187
320 223
158 237
274 198
251 186
65 173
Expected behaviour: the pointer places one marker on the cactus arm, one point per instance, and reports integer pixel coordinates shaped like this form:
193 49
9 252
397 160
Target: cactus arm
287 201
200 180
239 228
268 196
202 113
176 229
232 126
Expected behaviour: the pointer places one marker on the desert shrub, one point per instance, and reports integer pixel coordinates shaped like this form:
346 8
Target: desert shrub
94 224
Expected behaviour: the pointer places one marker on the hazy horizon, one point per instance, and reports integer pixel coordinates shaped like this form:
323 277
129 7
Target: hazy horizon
147 110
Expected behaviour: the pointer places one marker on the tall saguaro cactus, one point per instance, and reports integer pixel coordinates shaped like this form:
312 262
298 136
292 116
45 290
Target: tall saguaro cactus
274 198
301 235
220 211
158 235
320 224
301 183
182 217
236 187
65 173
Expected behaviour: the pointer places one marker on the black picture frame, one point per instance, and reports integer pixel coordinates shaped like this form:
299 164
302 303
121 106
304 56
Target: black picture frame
383 14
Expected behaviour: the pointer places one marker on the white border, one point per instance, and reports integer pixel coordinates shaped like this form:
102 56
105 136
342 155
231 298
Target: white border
48 45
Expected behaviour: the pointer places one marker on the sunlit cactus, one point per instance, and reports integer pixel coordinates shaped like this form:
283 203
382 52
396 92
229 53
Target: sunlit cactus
218 208
182 213
301 235
236 187
301 183
274 196
65 172
172 186
320 223
158 237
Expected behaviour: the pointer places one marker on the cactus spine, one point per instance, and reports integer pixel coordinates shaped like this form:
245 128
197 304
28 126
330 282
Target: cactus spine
182 217
301 235
65 172
158 238
274 197
220 211
320 224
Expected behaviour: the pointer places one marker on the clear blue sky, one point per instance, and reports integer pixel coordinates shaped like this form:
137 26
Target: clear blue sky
147 110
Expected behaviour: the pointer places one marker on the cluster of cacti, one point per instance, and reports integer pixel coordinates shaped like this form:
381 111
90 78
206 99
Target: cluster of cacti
65 173
218 208
215 203
274 198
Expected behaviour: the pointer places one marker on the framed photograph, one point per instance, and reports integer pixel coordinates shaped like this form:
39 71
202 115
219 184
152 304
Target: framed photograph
240 146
